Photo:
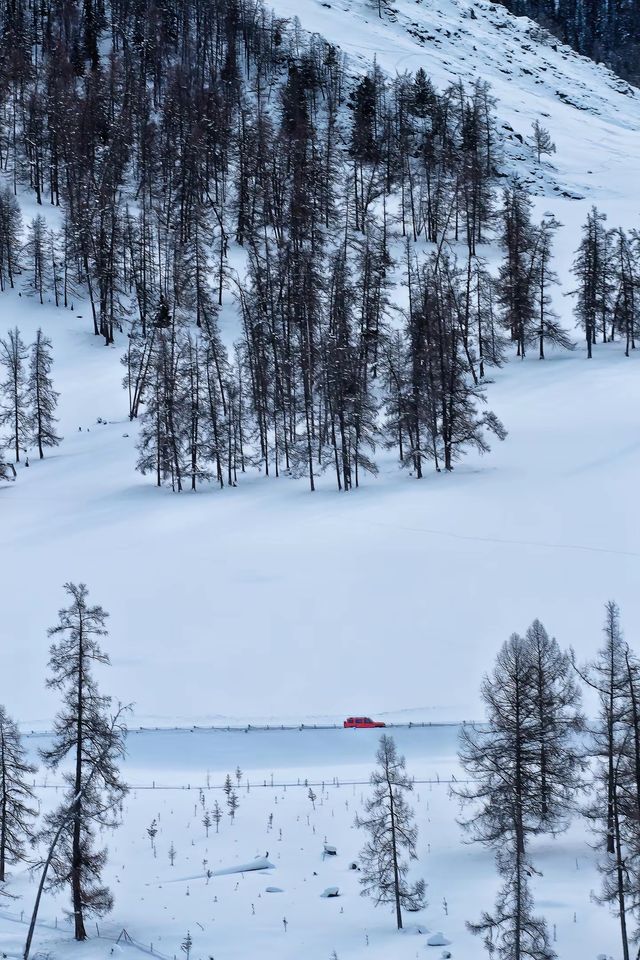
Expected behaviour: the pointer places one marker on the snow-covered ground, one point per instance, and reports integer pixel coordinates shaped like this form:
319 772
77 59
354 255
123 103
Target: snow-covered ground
268 602
233 917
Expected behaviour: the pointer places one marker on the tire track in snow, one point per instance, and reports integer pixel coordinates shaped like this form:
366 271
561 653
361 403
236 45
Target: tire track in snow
503 541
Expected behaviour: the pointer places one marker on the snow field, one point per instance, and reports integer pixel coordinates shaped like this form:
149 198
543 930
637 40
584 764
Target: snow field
267 602
233 917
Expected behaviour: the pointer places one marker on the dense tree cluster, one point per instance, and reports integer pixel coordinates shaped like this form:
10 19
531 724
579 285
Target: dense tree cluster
28 400
534 760
216 149
607 268
209 153
526 766
526 275
606 30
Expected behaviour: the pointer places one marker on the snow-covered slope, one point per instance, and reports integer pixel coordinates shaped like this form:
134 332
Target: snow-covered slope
267 601
593 115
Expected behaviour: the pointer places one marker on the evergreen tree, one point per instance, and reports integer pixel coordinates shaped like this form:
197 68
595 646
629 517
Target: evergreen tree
86 734
549 327
512 931
442 392
232 805
392 835
592 267
164 431
14 414
37 260
502 758
526 764
516 277
614 809
541 141
16 795
351 408
10 234
626 277
606 676
41 397
526 768
556 700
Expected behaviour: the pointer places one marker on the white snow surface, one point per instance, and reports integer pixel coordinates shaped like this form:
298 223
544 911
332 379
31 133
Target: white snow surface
266 603
234 917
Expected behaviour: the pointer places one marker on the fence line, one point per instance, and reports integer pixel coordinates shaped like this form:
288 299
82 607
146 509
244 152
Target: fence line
124 936
265 784
278 727
273 727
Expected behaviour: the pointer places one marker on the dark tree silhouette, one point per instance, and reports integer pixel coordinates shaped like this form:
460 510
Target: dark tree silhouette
84 733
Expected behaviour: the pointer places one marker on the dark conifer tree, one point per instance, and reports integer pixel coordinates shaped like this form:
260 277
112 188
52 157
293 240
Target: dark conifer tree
614 808
526 769
392 835
17 802
10 242
527 761
541 141
592 267
548 324
512 930
41 397
516 280
37 260
502 758
556 700
85 734
14 412
625 277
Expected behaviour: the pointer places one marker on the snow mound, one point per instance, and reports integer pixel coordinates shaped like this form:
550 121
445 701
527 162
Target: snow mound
415 929
260 863
438 940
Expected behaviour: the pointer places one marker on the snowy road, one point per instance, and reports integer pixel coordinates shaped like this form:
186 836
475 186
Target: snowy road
196 758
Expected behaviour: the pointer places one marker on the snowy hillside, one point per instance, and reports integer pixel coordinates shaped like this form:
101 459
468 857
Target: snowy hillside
277 593
592 114
264 601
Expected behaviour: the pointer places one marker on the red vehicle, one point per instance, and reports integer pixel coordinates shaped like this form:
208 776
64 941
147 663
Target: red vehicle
362 723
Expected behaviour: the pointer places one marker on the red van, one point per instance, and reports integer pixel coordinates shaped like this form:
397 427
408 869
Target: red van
362 723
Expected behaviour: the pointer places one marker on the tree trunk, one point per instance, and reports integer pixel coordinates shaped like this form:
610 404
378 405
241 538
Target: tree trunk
396 875
76 854
3 809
